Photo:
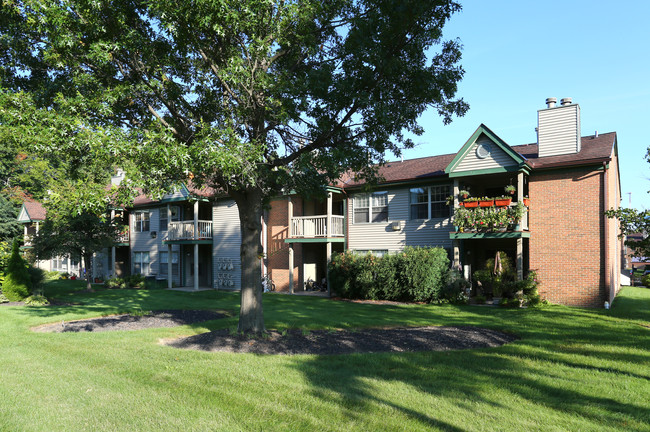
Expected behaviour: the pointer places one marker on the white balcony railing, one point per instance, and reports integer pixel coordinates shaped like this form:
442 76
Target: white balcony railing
122 237
317 226
185 230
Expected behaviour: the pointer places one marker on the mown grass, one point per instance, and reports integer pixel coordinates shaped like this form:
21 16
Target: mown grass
572 369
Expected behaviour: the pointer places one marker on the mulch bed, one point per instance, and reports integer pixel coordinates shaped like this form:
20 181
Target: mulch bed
162 318
294 341
347 342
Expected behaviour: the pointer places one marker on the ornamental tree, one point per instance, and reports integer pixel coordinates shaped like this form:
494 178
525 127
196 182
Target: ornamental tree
249 97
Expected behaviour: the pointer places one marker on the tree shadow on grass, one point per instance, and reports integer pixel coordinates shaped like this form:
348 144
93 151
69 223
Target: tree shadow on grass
464 380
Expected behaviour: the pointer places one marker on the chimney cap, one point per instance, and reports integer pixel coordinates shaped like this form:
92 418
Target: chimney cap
566 101
550 102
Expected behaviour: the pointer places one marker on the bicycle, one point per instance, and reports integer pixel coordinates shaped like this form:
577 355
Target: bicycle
267 284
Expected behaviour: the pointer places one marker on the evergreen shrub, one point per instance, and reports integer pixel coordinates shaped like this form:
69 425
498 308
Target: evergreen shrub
414 274
17 284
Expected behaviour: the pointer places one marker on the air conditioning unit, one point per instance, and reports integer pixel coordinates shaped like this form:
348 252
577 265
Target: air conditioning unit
397 225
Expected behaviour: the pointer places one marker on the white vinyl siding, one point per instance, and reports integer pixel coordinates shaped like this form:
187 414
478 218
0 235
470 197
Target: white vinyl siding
559 130
381 236
226 243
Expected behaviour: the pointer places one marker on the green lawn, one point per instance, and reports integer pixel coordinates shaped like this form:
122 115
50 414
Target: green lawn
572 370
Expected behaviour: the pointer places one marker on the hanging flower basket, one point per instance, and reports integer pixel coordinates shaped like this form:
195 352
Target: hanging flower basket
502 202
527 202
486 203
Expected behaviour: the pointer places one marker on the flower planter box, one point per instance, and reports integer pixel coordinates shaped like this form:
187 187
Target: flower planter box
502 202
469 204
488 203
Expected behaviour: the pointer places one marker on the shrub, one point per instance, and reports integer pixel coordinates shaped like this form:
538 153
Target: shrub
37 277
645 280
115 283
135 281
17 284
3 298
455 290
415 274
36 300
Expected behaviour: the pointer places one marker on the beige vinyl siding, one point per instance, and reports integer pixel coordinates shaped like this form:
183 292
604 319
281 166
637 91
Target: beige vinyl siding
381 236
497 158
226 243
559 130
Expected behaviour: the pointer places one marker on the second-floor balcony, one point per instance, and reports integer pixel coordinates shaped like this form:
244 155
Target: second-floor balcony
123 237
185 230
317 226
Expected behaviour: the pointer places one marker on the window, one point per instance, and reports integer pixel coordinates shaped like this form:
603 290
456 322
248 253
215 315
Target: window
419 203
371 207
141 221
439 207
163 216
164 255
429 202
60 264
141 263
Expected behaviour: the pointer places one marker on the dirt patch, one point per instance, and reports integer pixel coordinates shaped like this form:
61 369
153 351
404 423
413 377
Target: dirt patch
162 318
348 342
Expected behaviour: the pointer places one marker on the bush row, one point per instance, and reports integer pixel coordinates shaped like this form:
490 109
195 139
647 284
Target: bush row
414 274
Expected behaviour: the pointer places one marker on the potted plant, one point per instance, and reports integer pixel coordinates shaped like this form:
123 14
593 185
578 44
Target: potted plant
502 201
464 194
510 189
515 214
470 202
449 200
527 201
461 219
486 202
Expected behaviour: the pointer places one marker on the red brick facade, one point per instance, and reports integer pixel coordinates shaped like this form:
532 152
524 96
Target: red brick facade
567 242
278 249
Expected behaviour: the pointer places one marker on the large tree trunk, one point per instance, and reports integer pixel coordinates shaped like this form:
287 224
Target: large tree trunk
251 315
87 265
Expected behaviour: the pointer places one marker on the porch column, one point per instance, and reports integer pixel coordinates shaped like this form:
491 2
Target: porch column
290 212
170 276
114 270
520 258
328 254
328 224
196 267
291 267
196 220
455 192
457 263
520 186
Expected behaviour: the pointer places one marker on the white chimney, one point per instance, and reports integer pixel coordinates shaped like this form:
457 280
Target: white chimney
558 128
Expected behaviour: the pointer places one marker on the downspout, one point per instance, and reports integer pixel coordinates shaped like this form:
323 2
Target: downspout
608 278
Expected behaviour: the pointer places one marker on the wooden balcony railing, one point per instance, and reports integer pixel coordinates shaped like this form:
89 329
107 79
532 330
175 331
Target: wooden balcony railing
185 230
317 226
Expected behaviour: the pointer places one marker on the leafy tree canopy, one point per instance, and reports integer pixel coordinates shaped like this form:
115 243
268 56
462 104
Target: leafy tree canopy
249 97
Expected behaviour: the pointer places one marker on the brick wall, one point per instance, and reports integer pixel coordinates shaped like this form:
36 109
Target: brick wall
567 244
278 249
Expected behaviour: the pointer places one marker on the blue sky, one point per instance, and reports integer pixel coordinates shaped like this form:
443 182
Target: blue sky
518 53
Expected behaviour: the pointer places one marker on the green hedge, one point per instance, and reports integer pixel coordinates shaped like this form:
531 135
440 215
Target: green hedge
414 274
17 283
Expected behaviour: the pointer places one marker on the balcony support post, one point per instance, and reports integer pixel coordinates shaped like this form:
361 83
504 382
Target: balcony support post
290 267
290 212
328 222
328 254
520 258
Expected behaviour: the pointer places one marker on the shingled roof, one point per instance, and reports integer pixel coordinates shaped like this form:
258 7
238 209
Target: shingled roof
594 149
35 210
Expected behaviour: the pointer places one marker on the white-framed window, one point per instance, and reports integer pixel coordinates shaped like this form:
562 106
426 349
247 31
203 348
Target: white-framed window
175 211
141 263
164 256
370 207
141 221
429 202
60 263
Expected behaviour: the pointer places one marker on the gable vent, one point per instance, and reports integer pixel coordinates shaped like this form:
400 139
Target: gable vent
558 128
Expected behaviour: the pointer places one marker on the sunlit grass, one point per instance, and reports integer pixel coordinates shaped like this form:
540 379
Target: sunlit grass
571 369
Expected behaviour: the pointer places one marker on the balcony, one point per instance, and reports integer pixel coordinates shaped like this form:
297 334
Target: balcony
184 230
317 226
123 237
